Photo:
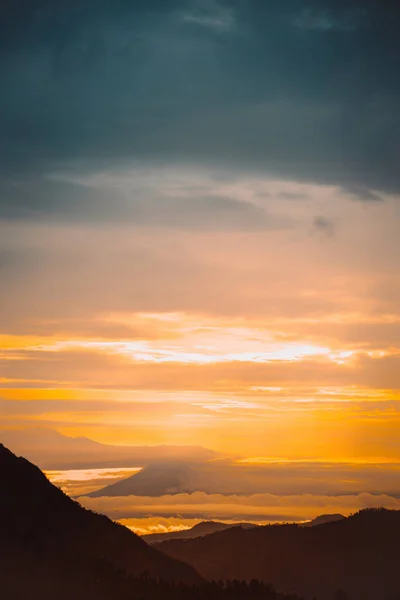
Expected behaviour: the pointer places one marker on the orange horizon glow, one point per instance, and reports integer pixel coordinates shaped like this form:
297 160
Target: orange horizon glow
280 342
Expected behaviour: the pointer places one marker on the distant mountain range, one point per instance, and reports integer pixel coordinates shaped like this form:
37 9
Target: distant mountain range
209 527
199 530
52 450
359 554
168 470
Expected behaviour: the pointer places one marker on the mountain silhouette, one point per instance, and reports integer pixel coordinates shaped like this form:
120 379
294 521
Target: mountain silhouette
322 519
359 554
50 449
185 476
157 479
199 530
208 527
41 526
52 548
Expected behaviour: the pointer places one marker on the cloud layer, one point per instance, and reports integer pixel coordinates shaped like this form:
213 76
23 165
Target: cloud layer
305 91
259 508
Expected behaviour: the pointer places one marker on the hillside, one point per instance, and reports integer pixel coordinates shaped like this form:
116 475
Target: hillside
43 530
359 554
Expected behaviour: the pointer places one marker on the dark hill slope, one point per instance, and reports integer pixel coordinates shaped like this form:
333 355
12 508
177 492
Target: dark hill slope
360 554
43 530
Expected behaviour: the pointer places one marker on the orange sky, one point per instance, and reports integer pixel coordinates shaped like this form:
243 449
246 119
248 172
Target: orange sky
281 340
199 246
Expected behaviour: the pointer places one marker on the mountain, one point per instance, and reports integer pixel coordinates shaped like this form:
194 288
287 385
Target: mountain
51 547
185 476
322 519
51 450
43 530
199 530
209 527
155 480
359 554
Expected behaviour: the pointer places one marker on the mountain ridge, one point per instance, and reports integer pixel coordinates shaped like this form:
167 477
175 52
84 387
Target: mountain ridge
359 554
209 527
322 519
40 512
199 530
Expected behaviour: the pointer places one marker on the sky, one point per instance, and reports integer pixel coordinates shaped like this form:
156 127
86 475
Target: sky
199 239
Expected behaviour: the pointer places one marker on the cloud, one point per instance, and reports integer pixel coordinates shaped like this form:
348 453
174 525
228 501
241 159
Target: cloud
292 195
362 193
148 526
49 199
80 482
215 261
326 19
212 15
76 459
150 157
257 507
324 226
227 478
279 92
102 369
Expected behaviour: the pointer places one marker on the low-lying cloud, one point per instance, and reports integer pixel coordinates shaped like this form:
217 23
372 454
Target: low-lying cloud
256 508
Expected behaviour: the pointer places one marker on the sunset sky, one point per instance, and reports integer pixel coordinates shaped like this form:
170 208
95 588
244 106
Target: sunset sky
199 238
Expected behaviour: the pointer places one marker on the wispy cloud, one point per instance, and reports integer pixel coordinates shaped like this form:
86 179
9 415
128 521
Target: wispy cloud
325 19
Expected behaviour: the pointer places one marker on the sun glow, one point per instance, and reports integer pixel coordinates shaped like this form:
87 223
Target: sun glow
178 338
187 376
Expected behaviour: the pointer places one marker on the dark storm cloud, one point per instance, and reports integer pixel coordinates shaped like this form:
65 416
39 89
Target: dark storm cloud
300 90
